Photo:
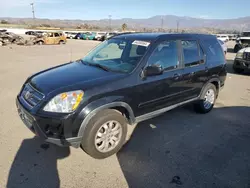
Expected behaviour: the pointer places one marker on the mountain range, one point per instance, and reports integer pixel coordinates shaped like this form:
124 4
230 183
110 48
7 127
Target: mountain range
165 21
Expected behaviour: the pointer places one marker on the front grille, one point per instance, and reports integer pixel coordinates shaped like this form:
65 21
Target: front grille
246 56
31 96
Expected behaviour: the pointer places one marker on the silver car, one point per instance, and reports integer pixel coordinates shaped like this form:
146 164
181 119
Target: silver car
223 45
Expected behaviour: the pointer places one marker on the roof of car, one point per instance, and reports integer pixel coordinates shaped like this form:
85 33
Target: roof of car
154 36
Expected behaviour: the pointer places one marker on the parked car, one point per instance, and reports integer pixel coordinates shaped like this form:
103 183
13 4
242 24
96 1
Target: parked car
99 35
89 36
123 81
107 36
30 33
223 45
223 38
242 42
79 36
70 35
51 38
242 60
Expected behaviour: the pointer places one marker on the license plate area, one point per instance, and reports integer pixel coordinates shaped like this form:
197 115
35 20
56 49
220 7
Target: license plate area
26 118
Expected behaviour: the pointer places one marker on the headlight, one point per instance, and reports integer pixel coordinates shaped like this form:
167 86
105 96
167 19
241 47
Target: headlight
64 102
239 55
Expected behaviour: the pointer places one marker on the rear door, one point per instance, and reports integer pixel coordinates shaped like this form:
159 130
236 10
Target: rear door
49 39
56 38
195 71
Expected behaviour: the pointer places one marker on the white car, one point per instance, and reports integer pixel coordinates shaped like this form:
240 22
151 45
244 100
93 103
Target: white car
223 38
223 45
99 35
70 35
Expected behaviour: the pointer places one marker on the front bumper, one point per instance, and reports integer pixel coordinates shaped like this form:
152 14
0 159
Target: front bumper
34 124
242 64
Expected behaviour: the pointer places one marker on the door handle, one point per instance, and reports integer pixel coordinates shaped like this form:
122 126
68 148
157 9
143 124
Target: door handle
192 73
176 76
206 69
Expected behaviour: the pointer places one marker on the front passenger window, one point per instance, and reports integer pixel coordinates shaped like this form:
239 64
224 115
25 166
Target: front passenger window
165 55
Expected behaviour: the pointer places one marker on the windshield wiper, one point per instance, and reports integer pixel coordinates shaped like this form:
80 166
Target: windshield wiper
95 65
99 66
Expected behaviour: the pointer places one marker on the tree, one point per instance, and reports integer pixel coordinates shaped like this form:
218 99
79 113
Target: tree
4 22
124 27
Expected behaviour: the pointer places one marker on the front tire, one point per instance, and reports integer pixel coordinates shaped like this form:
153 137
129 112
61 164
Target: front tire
238 70
236 48
207 99
105 134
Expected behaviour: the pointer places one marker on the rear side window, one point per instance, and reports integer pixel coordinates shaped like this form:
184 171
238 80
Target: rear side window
192 53
56 34
214 51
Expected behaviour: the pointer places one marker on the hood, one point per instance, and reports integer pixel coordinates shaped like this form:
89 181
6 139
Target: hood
69 75
244 50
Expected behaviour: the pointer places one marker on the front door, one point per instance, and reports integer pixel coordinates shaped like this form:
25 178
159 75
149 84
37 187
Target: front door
163 90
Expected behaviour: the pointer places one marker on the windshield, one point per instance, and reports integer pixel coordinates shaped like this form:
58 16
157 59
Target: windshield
117 55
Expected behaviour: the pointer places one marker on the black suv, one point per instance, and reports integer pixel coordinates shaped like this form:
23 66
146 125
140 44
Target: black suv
125 80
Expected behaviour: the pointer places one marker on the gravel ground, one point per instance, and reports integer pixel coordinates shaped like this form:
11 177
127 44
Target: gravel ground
178 149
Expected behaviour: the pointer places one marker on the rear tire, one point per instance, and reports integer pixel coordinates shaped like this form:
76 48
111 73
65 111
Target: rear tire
105 134
207 99
40 42
61 42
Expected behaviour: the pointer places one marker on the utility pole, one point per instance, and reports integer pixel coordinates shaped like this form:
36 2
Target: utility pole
162 21
110 16
33 10
177 25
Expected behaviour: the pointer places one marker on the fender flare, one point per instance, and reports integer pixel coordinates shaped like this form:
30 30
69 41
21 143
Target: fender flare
91 114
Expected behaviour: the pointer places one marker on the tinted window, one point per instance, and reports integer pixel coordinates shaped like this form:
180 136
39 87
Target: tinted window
166 55
191 53
214 51
56 34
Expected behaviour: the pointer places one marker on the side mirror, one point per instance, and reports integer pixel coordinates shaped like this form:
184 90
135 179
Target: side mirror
153 70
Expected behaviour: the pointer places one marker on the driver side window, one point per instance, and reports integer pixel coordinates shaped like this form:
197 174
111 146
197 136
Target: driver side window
165 55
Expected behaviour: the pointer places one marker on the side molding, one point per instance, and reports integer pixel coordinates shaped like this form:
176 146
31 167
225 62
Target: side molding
160 111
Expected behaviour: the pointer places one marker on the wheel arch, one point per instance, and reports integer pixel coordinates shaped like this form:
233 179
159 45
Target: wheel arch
215 81
93 108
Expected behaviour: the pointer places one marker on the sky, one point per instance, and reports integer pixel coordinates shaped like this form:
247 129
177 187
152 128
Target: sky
100 9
